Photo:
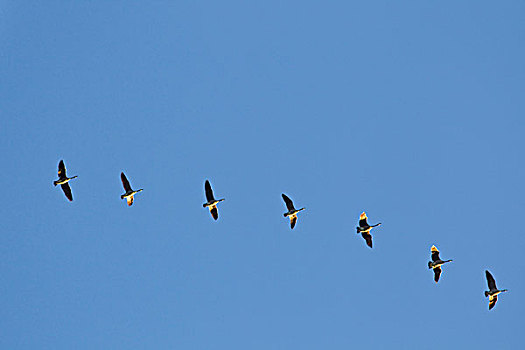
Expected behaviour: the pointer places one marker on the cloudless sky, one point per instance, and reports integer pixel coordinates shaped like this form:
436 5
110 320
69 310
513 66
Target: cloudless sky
412 111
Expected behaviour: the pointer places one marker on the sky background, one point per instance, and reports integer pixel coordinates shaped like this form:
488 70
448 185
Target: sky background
412 111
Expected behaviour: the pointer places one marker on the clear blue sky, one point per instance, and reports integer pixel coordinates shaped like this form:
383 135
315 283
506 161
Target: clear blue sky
411 110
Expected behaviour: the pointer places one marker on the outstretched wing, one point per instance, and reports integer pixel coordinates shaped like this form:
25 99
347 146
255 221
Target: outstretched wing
288 202
125 183
67 191
492 301
293 220
362 220
368 238
437 273
61 169
214 212
209 192
435 253
490 281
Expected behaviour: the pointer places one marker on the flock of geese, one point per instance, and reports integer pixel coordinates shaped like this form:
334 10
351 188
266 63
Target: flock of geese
364 228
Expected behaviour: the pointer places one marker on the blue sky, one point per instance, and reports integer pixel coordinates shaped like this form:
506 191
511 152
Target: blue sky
410 110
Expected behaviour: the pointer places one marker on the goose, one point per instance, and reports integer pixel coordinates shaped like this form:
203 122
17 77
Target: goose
493 291
63 180
364 228
211 201
436 263
129 191
292 212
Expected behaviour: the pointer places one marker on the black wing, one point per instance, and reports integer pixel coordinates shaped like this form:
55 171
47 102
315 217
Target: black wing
492 301
214 213
293 220
437 273
490 281
67 191
125 183
363 223
289 203
435 256
209 192
368 238
61 170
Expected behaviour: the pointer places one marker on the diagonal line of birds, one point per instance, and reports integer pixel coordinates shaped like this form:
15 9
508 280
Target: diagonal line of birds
364 227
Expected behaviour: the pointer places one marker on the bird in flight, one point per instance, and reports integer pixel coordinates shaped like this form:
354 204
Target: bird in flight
364 228
211 201
436 263
493 291
129 191
292 212
63 180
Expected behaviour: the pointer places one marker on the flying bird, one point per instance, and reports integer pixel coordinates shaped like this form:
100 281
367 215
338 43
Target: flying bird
436 263
292 212
364 228
63 180
493 291
211 201
129 191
